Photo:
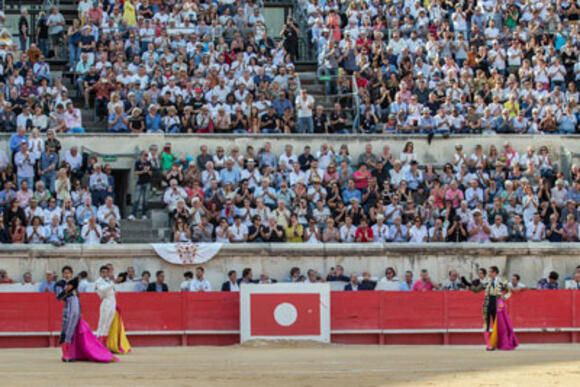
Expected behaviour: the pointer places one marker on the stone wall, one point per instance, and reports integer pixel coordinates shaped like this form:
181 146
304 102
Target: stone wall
531 261
439 151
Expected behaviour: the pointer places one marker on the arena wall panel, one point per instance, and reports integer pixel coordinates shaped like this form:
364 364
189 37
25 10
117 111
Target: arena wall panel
177 319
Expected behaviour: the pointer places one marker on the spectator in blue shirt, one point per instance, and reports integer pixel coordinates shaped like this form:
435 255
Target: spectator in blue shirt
550 283
407 284
229 174
153 122
414 177
574 192
261 77
6 195
48 284
41 69
351 192
85 211
282 103
118 121
266 193
17 138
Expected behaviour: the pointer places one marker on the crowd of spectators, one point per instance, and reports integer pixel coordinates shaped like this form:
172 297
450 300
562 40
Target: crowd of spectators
165 66
30 96
48 195
452 66
196 281
328 195
185 67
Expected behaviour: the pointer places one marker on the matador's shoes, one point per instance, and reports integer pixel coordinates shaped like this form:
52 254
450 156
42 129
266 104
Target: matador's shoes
488 347
65 347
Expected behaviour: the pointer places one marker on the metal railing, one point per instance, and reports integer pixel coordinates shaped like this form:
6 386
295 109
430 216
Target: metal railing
356 100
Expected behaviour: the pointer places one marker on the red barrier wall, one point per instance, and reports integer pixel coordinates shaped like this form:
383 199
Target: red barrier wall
33 320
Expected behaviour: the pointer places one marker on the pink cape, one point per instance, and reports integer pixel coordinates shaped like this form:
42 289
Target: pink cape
506 338
86 347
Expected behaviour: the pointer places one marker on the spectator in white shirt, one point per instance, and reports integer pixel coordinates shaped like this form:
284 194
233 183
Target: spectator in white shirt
199 283
74 159
515 284
108 211
536 230
499 231
186 283
474 194
91 232
288 157
173 194
35 233
251 174
380 230
238 231
574 283
348 231
438 232
418 232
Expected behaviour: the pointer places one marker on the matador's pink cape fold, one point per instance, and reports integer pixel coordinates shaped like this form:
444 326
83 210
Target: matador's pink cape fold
86 347
503 336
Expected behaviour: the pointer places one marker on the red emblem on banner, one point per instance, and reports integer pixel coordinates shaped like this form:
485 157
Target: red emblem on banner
285 314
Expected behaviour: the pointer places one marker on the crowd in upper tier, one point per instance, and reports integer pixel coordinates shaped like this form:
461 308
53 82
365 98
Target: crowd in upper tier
433 67
453 66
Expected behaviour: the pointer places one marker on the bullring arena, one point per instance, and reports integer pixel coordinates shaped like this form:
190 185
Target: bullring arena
184 338
291 364
289 193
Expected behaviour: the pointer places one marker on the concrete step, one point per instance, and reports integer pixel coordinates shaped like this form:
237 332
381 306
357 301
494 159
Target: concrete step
140 238
159 218
136 225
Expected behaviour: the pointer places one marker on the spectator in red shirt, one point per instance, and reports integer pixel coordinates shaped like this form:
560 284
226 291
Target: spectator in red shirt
361 177
364 233
424 284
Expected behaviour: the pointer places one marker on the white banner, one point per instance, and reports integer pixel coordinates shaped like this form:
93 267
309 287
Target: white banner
187 253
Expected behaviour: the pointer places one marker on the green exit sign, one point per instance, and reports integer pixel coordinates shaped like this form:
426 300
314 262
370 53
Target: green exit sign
109 158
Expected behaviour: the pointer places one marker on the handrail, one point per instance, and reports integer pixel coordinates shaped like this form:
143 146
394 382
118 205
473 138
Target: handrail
355 121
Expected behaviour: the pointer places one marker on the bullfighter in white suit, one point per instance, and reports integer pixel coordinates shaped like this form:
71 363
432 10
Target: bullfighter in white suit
106 290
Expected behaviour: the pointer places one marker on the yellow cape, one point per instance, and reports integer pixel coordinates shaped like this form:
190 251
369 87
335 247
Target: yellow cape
117 341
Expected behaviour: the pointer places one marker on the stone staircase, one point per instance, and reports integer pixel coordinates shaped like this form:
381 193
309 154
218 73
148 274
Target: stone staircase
152 230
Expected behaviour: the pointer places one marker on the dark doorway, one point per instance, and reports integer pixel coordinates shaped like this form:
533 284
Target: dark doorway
121 189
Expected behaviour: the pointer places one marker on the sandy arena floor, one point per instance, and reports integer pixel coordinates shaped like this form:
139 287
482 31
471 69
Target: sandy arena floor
291 364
